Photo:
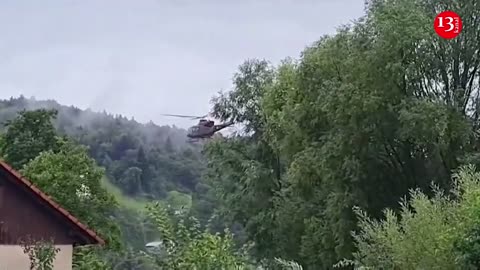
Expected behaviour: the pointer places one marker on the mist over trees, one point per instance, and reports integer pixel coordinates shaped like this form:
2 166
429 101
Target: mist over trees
141 159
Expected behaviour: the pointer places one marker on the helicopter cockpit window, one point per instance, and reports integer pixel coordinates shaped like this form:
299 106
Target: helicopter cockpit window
193 129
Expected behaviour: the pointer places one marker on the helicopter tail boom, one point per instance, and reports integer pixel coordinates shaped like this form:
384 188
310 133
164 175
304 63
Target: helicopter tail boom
222 126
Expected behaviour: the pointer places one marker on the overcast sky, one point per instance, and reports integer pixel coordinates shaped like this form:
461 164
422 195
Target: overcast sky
142 58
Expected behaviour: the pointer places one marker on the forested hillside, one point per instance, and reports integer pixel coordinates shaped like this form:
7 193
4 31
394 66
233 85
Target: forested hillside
143 164
363 153
143 160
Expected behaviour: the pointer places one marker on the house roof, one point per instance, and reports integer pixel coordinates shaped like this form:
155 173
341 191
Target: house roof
18 179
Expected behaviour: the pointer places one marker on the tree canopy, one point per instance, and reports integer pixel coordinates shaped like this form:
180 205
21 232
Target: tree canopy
363 116
73 179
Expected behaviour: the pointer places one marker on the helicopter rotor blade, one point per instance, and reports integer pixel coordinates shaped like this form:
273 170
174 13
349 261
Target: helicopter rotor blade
186 116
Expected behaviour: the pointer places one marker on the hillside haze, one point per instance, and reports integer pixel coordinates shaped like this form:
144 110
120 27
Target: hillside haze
143 160
70 118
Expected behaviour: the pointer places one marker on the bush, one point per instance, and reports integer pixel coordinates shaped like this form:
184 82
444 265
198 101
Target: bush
427 233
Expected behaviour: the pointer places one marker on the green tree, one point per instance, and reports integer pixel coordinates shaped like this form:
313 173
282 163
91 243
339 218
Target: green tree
88 258
73 179
428 231
362 117
41 254
178 200
187 247
243 105
131 180
29 134
168 146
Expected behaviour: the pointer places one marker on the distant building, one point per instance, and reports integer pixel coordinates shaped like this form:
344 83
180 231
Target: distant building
159 248
28 213
154 247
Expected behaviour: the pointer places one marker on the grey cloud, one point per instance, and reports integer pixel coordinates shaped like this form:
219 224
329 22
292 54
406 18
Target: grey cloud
142 58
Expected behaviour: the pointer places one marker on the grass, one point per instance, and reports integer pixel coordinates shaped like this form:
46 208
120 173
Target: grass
174 198
122 199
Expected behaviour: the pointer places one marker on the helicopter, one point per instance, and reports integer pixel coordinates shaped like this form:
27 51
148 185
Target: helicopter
205 129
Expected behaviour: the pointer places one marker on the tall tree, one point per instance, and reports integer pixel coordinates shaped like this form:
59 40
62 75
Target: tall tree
29 134
359 119
73 179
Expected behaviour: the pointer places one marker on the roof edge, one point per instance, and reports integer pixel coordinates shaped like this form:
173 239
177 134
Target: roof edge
44 197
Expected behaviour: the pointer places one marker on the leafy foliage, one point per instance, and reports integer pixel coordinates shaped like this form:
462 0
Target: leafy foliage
31 133
361 118
288 264
41 254
88 258
82 194
188 247
427 232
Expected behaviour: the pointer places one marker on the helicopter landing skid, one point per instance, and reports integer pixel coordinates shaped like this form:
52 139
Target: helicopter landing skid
196 140
192 140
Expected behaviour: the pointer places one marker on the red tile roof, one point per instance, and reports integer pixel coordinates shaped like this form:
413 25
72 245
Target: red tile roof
19 179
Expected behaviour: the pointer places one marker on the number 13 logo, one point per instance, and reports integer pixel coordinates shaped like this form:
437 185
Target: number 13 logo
448 24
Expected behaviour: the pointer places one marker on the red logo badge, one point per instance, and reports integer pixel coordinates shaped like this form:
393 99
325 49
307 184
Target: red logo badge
448 24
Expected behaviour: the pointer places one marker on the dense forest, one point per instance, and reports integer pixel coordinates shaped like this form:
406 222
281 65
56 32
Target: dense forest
143 162
360 154
133 154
